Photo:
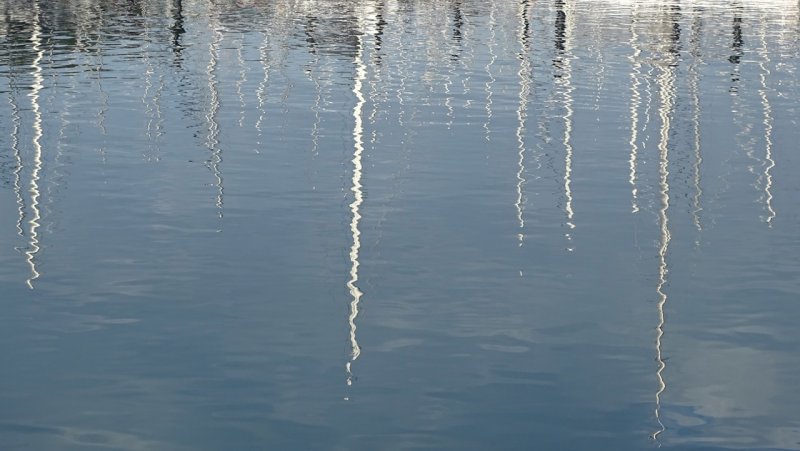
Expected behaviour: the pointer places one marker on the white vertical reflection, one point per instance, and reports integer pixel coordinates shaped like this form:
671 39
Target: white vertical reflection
212 139
403 63
242 79
358 199
148 79
263 53
666 84
565 27
159 126
17 124
152 102
768 121
694 89
98 68
491 79
36 88
316 109
647 115
636 100
448 75
524 74
600 79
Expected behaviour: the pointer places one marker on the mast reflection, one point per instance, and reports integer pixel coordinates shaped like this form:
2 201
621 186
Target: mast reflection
458 23
738 40
380 26
376 94
98 68
524 74
36 88
636 99
737 46
177 29
768 126
261 96
212 138
152 102
358 199
487 125
16 122
600 78
563 78
694 92
242 79
403 62
317 107
742 115
667 94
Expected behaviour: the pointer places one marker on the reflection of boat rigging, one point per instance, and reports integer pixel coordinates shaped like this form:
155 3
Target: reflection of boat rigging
600 79
667 94
152 102
16 122
467 50
242 79
212 138
768 126
564 26
404 62
380 26
636 100
36 88
694 91
738 40
358 197
376 93
735 58
458 24
317 107
57 166
177 29
525 74
98 68
742 116
487 125
261 91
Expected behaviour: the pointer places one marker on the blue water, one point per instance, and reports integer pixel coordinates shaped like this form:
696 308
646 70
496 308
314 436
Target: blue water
386 225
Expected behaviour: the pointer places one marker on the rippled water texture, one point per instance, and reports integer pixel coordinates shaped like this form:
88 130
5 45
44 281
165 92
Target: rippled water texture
389 224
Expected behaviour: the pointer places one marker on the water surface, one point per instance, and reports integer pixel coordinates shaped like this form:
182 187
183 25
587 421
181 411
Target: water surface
390 224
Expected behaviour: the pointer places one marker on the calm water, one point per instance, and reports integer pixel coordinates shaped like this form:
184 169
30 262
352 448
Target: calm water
390 224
